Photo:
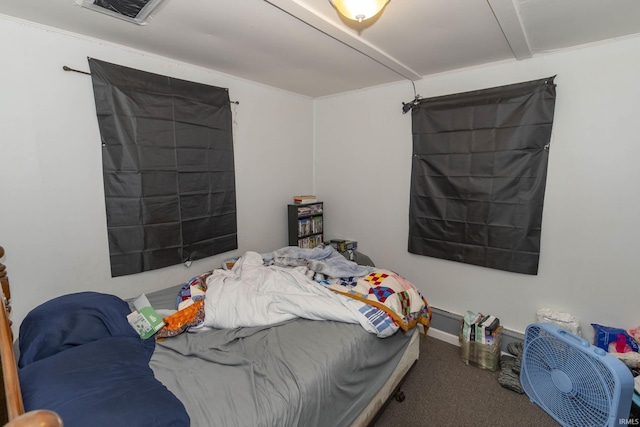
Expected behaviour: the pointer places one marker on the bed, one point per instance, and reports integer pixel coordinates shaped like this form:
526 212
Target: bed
288 370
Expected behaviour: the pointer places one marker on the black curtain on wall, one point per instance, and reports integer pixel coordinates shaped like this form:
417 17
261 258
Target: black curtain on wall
168 168
479 173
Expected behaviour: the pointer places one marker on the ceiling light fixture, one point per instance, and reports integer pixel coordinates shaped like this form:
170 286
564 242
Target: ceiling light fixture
359 10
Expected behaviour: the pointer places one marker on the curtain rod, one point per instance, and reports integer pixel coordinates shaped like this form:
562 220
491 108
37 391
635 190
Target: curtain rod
64 67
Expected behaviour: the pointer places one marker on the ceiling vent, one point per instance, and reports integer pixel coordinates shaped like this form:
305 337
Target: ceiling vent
134 11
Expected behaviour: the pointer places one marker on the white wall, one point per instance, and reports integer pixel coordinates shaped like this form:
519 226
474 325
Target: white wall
52 218
589 264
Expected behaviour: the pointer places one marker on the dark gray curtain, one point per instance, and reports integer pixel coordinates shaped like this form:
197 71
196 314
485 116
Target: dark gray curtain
168 168
478 175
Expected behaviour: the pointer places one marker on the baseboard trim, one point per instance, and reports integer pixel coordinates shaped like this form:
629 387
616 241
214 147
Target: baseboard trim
444 336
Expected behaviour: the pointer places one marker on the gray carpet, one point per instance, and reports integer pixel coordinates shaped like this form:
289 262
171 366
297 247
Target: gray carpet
443 391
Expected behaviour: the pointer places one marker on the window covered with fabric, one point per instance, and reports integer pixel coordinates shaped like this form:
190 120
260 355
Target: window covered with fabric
478 175
168 168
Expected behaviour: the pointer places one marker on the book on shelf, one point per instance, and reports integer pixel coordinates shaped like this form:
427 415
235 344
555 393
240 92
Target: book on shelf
304 211
299 200
310 242
304 227
316 224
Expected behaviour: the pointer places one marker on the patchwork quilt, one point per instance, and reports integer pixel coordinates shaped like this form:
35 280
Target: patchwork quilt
388 291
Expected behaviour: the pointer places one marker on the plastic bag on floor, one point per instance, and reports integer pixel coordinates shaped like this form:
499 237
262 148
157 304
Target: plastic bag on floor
606 335
562 320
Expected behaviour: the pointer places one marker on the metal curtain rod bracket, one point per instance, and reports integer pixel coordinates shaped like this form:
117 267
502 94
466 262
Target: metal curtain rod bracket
64 67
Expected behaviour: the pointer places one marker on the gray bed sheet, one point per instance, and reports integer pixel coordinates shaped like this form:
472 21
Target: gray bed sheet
298 373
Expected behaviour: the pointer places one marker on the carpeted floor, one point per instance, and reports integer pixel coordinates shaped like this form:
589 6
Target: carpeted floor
443 391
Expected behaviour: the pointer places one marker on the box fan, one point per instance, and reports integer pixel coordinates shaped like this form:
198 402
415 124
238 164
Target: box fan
578 384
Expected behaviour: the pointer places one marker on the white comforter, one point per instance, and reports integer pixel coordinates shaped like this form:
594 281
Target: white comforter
252 294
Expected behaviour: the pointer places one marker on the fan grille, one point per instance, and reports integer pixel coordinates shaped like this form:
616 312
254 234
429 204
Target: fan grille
575 389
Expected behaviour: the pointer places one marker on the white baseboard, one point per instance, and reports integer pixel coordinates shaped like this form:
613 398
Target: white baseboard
444 336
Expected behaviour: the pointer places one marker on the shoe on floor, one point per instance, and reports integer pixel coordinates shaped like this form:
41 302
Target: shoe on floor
517 365
515 348
507 378
507 361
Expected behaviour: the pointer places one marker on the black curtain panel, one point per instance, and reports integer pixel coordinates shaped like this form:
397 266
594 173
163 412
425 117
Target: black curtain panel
168 168
478 175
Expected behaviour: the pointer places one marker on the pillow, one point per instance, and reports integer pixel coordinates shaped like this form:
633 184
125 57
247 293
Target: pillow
72 320
103 383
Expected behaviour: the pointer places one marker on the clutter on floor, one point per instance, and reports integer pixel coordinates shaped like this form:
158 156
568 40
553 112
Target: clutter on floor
480 340
560 319
480 346
623 344
509 376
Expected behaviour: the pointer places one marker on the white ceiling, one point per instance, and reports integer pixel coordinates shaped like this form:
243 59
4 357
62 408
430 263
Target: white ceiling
304 46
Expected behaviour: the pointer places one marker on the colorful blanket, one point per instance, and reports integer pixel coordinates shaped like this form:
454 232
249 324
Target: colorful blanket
390 292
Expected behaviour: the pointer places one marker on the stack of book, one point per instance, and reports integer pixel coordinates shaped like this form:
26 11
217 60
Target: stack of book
299 200
480 328
480 340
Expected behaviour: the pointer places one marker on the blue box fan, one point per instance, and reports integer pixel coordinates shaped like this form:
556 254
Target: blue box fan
577 383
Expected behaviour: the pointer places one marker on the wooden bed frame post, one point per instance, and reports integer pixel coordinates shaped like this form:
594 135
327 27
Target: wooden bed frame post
15 406
13 396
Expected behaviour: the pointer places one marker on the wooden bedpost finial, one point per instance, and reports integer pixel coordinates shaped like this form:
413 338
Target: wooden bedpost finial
3 268
4 282
39 418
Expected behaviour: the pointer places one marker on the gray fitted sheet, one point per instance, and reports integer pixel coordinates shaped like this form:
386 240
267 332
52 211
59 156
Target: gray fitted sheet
299 373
